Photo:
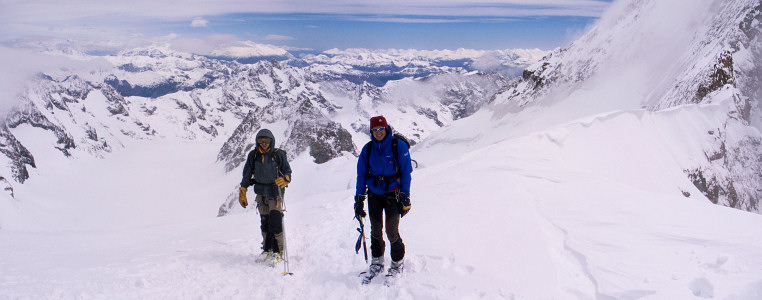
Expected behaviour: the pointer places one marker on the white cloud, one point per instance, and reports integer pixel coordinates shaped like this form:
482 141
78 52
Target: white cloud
18 67
249 49
277 37
192 45
205 46
225 45
199 22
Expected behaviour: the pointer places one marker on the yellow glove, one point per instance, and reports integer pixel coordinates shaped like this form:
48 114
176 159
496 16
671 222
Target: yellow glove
242 197
282 182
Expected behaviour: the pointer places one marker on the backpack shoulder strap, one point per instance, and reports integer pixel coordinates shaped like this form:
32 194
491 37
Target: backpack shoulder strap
276 157
395 152
367 148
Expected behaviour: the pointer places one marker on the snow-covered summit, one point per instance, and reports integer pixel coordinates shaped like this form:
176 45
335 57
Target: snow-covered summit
245 49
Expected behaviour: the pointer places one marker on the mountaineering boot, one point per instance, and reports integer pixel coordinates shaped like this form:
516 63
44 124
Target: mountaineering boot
274 259
396 268
394 272
376 267
264 256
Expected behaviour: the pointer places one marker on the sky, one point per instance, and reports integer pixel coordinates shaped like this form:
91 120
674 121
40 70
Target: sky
301 24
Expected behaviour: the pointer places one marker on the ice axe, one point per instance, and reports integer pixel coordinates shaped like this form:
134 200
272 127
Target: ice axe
361 239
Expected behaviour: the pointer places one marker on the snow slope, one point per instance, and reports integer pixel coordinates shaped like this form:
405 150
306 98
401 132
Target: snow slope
588 209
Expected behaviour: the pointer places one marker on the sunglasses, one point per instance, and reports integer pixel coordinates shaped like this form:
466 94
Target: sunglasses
378 129
263 140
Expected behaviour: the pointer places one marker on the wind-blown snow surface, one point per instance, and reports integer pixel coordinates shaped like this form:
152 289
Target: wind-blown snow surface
589 208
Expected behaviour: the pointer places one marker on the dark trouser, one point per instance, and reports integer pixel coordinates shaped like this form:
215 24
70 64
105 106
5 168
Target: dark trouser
376 205
271 223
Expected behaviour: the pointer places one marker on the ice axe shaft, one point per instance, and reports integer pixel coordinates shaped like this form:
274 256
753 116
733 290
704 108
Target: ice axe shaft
361 239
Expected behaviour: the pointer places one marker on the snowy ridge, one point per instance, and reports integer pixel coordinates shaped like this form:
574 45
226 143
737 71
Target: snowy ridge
687 53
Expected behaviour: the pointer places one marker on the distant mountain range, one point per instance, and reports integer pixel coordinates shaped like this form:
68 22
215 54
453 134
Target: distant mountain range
318 103
379 66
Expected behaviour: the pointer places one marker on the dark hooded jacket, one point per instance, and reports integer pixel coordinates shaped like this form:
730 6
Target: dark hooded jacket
261 169
381 164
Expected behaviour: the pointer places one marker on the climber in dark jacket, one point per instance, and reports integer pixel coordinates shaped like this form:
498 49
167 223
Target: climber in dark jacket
268 170
388 184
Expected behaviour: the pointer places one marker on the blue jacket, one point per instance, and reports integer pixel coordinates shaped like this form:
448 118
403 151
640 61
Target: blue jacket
381 163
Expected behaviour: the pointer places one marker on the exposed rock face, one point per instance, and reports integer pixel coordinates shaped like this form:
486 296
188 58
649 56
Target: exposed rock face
325 141
234 151
731 176
732 172
18 155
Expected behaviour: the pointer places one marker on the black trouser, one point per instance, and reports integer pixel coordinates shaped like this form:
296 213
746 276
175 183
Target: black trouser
376 205
271 223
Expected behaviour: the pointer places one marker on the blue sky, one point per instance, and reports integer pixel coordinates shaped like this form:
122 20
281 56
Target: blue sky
323 31
309 24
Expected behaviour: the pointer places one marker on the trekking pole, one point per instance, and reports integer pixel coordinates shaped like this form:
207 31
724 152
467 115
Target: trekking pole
286 269
361 238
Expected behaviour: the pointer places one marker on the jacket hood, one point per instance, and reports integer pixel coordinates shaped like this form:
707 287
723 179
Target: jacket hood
268 134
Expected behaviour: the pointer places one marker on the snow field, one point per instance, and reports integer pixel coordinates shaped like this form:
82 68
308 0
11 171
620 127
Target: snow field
572 211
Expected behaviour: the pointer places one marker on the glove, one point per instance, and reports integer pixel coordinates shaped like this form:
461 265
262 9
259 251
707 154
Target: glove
282 182
403 203
242 197
360 206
